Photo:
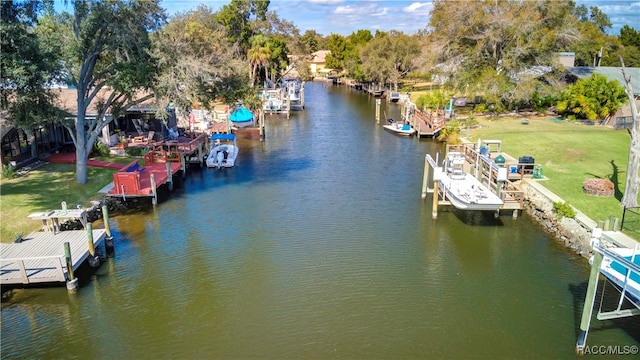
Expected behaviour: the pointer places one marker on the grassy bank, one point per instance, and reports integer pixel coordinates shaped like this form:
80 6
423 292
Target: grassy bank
44 188
569 154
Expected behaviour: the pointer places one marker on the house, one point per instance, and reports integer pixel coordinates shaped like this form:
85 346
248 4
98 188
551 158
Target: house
21 149
317 64
622 119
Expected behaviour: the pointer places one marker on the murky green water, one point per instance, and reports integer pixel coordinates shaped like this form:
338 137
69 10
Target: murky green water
317 245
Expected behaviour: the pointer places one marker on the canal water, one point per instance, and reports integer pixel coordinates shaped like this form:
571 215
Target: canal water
316 245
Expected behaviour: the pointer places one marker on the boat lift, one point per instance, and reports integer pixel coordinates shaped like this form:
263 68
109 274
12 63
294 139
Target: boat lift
630 266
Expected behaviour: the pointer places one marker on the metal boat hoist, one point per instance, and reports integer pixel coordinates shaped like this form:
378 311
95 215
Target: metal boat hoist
631 268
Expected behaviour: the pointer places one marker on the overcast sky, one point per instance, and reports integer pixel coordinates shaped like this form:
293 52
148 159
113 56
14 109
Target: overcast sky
346 16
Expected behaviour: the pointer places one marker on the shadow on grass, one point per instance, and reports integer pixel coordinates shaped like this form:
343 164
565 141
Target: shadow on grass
614 178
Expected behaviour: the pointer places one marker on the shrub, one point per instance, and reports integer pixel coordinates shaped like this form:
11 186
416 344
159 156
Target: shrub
100 149
135 151
8 171
563 209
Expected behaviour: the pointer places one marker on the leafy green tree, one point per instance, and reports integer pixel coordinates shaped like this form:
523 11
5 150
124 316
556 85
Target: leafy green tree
310 39
106 48
239 18
340 49
487 45
389 57
28 67
629 36
197 64
593 98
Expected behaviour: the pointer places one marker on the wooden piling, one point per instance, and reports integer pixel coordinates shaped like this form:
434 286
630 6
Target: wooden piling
108 241
434 210
93 260
72 282
378 111
154 190
169 176
425 178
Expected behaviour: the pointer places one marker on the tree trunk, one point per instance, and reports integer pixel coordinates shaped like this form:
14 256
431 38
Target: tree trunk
81 140
632 185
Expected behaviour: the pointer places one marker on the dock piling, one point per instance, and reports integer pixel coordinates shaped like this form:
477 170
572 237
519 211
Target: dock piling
94 261
590 296
154 190
72 282
425 178
169 176
108 241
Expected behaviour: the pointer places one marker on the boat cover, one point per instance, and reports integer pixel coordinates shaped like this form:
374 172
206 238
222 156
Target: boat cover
241 115
223 137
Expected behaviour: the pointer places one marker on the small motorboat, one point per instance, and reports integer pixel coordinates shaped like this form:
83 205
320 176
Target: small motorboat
394 96
223 151
398 128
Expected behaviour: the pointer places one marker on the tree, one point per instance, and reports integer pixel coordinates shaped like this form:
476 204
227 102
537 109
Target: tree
28 67
389 57
239 17
259 56
593 98
497 41
196 63
632 185
108 59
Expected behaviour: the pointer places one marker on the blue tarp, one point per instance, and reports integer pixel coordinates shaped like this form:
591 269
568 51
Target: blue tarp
241 115
223 137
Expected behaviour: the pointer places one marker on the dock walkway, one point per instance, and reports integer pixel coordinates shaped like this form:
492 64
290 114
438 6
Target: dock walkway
40 256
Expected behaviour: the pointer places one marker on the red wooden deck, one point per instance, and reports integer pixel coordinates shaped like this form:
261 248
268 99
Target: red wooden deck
134 180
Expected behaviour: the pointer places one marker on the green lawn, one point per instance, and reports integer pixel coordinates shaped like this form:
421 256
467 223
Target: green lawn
569 154
44 188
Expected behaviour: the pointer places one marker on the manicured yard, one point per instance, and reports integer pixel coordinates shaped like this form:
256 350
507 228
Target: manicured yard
44 188
569 154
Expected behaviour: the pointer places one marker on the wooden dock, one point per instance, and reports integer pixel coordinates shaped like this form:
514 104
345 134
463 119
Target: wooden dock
486 170
426 124
158 168
40 256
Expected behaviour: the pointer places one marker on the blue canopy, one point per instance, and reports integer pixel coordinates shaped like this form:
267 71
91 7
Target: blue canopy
223 137
241 115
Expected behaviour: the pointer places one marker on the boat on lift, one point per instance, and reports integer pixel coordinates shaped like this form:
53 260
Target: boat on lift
241 117
224 151
463 190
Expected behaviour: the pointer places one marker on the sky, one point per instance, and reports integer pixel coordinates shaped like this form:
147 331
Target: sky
347 16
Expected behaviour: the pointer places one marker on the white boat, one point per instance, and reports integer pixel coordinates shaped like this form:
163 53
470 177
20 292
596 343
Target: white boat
398 128
293 88
224 151
463 190
394 96
272 100
615 265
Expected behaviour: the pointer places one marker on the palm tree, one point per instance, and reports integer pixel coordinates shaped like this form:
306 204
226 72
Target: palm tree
258 55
